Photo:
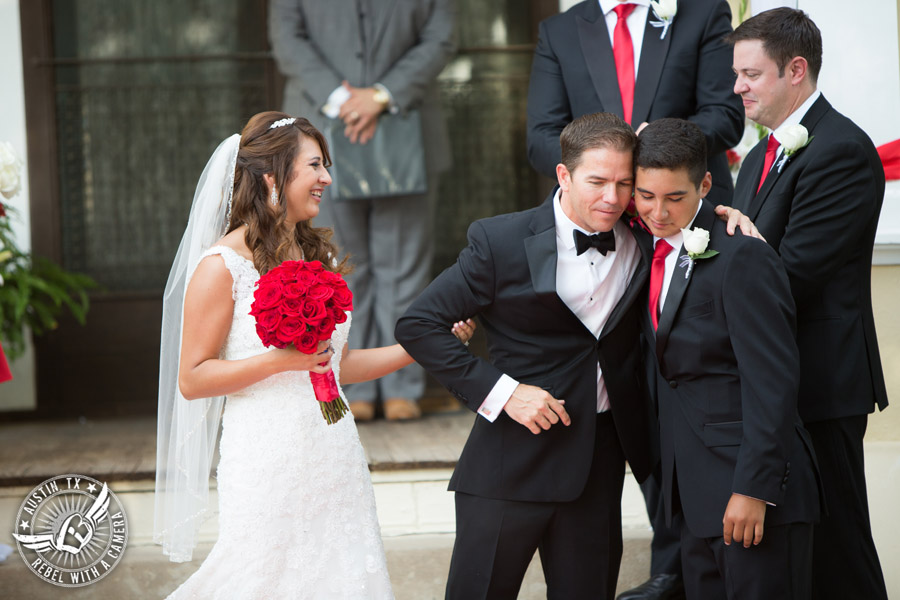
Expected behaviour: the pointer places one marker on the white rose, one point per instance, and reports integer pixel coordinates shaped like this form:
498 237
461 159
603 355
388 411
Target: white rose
665 9
10 171
793 138
696 240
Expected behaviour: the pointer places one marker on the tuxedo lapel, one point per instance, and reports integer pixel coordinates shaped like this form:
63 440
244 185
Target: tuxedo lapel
641 273
653 56
594 38
681 278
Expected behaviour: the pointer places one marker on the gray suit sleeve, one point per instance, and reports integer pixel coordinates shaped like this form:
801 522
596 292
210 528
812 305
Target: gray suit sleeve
296 55
409 77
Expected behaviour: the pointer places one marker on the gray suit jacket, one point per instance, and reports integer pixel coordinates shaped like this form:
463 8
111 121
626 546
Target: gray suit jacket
401 44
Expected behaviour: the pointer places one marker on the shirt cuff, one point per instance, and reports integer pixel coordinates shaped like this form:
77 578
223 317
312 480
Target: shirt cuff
335 100
500 394
752 498
392 106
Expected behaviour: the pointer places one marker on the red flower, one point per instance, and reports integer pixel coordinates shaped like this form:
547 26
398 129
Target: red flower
292 307
289 329
312 310
319 292
343 297
267 295
307 342
269 320
325 327
2 210
306 278
295 290
314 266
337 314
733 157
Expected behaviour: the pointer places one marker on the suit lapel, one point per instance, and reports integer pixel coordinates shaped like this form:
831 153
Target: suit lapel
681 278
653 56
809 120
641 273
594 38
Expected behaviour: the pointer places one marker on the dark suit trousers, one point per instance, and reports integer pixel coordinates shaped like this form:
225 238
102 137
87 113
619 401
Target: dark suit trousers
845 562
580 542
665 550
780 567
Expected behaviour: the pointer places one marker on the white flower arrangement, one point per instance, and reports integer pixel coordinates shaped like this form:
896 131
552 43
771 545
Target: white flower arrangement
664 11
696 243
10 171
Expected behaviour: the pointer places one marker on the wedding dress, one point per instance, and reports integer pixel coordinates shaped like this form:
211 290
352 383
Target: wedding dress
296 507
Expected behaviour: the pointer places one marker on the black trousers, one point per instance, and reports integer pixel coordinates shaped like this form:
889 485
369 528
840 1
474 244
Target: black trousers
665 549
580 542
779 568
845 562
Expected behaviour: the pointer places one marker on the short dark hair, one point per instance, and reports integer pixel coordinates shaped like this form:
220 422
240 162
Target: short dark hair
672 144
595 130
784 33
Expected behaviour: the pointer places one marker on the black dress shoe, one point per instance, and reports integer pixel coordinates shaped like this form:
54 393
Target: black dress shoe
658 587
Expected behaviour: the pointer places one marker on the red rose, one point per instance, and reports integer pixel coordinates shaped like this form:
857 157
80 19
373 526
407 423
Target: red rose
319 292
289 329
314 266
307 342
325 327
343 297
269 319
292 307
733 157
306 278
2 210
267 295
337 314
330 278
312 311
295 290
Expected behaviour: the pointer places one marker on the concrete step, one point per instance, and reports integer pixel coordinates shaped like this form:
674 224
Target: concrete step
418 565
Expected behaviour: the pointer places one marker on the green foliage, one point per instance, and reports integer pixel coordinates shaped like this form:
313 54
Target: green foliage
34 292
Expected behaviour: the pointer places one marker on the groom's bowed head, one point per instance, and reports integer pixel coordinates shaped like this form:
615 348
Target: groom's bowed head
671 176
596 175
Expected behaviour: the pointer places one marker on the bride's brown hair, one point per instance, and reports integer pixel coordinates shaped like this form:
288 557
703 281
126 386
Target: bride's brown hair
267 150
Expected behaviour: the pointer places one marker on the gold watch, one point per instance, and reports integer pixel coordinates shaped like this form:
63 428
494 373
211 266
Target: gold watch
381 97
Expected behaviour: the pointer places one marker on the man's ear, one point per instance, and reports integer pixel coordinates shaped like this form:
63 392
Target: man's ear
564 177
797 69
706 184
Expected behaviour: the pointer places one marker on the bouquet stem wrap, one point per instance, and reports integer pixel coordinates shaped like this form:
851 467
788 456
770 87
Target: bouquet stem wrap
330 401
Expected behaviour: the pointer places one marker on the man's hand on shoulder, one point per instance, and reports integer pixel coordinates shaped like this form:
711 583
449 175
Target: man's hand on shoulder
734 218
535 408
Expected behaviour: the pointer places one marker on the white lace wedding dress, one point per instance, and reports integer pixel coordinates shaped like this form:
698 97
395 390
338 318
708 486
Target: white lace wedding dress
296 506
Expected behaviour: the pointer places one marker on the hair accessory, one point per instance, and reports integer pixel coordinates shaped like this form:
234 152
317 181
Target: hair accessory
274 196
282 122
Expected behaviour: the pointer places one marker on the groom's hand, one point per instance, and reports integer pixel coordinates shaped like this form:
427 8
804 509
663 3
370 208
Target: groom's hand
743 521
535 408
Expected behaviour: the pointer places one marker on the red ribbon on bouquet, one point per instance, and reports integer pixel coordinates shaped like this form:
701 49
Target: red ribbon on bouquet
301 303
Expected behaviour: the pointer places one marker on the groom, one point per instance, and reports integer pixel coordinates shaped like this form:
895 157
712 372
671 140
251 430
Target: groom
562 401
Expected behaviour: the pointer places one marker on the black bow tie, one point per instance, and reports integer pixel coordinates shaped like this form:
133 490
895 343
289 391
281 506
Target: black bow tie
604 242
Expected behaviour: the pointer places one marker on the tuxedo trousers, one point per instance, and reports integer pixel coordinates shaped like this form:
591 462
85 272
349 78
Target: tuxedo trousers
580 542
780 567
390 244
665 549
845 561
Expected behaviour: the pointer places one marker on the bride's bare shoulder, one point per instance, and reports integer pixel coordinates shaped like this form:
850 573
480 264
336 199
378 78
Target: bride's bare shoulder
235 241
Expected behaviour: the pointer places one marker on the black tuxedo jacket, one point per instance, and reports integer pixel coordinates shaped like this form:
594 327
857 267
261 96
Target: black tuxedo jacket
727 386
685 75
507 276
820 213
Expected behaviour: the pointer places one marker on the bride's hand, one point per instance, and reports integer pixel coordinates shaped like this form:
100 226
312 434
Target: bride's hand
291 359
464 330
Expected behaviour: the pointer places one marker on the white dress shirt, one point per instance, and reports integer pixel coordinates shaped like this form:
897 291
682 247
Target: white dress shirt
590 284
636 22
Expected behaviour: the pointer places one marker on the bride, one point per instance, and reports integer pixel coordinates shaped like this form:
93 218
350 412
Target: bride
296 508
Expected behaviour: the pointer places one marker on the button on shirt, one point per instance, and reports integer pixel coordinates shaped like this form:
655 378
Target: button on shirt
590 284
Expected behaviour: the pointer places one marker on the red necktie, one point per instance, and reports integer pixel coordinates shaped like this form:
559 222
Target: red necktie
623 52
657 272
5 374
771 151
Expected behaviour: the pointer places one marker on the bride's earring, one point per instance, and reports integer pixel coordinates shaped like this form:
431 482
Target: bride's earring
274 196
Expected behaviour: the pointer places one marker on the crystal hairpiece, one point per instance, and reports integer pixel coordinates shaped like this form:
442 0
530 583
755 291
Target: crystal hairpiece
282 122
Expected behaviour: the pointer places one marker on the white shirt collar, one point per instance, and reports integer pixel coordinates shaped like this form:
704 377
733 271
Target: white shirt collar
795 117
607 6
677 239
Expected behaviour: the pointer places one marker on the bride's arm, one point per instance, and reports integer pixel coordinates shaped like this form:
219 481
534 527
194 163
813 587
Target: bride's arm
364 365
208 309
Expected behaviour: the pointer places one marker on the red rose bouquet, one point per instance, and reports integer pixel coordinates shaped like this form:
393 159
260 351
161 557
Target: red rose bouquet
301 303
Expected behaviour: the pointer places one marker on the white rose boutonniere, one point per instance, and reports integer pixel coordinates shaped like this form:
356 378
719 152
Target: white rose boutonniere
664 11
794 138
696 242
10 171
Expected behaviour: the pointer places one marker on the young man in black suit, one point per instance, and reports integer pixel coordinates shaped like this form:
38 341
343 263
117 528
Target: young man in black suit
817 203
719 319
562 401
